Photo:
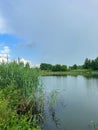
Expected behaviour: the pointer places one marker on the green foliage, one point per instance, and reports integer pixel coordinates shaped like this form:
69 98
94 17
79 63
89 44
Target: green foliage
63 68
91 64
3 110
9 119
87 63
27 65
56 67
49 67
45 66
23 78
74 67
20 91
13 122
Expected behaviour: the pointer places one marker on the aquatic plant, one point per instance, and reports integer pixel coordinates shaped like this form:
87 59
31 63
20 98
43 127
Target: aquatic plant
93 125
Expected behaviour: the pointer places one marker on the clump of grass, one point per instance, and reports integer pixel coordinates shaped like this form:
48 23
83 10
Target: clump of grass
21 94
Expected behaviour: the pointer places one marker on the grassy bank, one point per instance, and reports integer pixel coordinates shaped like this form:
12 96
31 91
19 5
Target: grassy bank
83 72
21 97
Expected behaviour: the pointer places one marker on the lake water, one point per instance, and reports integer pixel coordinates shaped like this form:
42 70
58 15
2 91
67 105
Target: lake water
71 103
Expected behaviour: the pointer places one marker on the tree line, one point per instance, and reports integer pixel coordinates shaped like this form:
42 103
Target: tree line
91 64
88 64
57 67
49 67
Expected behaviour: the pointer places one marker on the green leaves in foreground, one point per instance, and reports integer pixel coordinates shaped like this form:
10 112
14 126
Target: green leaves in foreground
19 87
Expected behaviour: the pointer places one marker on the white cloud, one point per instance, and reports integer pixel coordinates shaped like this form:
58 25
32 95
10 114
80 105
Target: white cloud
5 57
24 61
3 60
30 63
35 65
4 54
6 50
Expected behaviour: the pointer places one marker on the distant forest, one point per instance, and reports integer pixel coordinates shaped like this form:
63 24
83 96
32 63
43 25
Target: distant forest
88 64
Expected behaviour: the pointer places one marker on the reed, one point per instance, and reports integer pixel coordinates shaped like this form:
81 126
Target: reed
22 93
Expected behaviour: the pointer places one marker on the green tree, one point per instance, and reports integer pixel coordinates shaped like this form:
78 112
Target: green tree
56 67
73 67
93 65
63 68
96 64
87 64
45 66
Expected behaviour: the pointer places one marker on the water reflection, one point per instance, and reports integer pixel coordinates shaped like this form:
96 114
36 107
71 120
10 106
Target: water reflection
70 103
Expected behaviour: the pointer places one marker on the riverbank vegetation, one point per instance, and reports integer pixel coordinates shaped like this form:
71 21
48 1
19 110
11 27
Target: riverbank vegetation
21 92
21 97
89 68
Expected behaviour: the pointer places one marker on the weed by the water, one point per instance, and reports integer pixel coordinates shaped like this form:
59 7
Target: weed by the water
20 91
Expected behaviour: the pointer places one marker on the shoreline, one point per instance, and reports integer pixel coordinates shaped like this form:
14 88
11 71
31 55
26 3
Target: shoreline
86 73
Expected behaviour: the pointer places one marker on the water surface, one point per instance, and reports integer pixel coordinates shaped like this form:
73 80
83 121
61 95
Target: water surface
74 104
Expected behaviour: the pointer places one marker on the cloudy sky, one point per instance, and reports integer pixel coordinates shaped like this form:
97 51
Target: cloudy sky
53 31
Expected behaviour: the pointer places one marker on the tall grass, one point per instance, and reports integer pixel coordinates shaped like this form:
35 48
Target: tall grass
21 97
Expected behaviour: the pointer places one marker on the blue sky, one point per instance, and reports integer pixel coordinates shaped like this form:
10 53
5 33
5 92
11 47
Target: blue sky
54 31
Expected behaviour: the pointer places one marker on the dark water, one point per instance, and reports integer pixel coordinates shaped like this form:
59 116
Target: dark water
71 103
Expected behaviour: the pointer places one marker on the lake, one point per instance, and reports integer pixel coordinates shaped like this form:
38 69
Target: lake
71 103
